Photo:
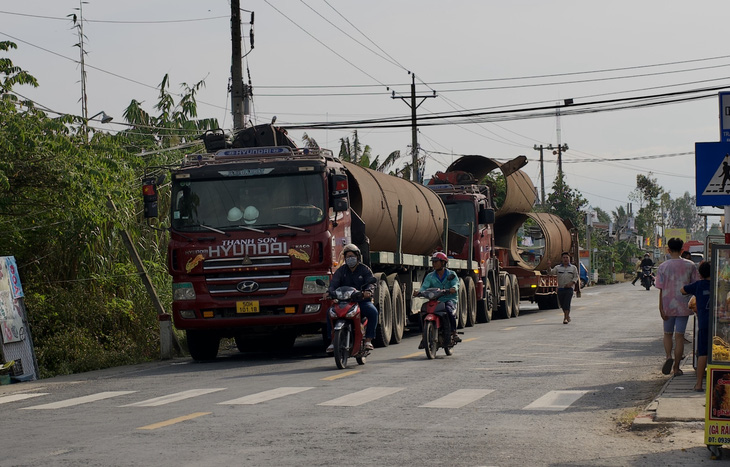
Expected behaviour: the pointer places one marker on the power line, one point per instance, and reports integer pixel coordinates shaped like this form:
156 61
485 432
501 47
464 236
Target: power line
117 21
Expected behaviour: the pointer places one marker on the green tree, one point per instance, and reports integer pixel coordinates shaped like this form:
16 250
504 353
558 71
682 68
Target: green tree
647 194
683 213
567 203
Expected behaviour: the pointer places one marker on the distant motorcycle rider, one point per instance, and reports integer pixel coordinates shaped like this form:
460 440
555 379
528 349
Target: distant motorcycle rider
439 278
355 274
646 262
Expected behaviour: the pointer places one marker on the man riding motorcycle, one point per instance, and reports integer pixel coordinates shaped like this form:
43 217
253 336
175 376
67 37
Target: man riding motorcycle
439 278
355 274
644 262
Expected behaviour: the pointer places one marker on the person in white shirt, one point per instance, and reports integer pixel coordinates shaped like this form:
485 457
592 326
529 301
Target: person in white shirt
567 277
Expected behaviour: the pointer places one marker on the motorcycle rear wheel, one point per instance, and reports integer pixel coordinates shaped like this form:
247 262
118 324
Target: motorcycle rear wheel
430 339
342 341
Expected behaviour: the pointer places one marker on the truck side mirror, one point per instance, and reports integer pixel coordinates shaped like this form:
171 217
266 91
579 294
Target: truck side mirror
340 205
486 216
149 195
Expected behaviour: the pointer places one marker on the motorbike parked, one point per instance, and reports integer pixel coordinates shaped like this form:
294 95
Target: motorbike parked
647 277
433 314
348 330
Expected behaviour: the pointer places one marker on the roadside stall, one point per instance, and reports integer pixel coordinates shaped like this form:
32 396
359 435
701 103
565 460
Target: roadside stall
717 388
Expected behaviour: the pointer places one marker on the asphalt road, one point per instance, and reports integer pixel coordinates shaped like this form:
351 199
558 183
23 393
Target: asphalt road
524 391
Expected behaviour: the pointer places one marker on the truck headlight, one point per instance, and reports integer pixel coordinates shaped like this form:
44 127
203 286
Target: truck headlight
310 286
311 308
183 291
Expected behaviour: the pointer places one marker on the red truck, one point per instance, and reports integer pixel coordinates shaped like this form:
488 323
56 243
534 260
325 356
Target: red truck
252 228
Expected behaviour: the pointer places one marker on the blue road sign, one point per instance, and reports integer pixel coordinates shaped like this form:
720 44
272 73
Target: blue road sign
724 117
712 174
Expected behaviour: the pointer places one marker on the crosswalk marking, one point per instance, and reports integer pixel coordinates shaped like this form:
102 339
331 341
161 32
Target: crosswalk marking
79 400
361 397
173 421
555 400
20 397
178 396
265 396
458 398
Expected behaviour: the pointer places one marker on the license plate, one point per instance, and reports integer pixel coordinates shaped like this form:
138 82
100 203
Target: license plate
247 307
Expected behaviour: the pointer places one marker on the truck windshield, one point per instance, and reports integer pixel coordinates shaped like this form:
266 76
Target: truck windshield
460 214
229 203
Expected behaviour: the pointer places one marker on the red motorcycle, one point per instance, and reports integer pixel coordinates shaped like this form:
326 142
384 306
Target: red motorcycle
348 330
433 313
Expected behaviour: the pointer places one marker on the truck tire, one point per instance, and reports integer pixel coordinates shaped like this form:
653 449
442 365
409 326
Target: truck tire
471 295
515 297
485 306
202 345
384 330
398 305
505 306
462 307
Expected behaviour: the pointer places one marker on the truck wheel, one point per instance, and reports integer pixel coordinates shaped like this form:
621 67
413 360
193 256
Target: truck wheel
398 305
202 345
385 316
485 306
505 305
462 307
515 297
471 294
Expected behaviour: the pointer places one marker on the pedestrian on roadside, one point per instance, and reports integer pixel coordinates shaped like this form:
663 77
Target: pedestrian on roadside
567 277
701 291
671 276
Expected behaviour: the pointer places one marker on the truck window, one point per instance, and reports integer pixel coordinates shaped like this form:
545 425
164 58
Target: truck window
296 200
460 214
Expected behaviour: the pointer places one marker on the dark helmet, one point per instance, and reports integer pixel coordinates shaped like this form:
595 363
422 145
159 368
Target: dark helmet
440 256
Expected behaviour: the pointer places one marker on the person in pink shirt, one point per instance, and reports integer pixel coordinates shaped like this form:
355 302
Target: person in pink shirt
671 276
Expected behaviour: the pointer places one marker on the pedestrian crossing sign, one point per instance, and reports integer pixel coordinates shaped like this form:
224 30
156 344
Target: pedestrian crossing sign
712 174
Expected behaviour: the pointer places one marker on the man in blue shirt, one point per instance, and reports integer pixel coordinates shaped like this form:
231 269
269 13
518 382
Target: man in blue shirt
701 291
439 277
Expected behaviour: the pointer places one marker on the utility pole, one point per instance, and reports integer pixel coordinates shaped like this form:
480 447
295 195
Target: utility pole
414 128
542 175
559 150
237 91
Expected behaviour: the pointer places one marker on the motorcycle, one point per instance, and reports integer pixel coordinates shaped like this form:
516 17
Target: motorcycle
348 330
433 313
647 277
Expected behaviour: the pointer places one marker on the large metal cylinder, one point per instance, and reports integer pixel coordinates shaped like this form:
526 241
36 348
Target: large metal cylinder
551 237
375 197
521 193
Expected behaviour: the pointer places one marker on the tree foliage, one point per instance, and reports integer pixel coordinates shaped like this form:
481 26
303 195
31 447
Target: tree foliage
566 203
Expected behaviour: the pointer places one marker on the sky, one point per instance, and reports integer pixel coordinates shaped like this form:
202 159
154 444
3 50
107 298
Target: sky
333 61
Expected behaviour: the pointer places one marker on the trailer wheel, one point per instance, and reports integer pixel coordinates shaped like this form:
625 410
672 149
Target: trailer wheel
385 316
515 297
398 305
485 306
505 306
471 294
463 305
202 345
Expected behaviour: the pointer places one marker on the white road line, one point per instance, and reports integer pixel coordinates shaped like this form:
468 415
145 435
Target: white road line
458 398
20 397
178 396
265 396
556 400
362 397
79 400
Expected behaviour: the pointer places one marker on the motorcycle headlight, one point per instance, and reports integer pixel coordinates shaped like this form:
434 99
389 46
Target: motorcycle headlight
352 312
332 313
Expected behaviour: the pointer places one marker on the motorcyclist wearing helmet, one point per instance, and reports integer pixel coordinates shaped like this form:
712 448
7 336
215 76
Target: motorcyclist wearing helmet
439 278
355 274
644 262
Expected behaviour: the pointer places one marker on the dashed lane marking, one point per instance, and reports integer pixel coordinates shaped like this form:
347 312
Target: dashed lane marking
79 400
341 375
555 400
362 397
173 421
458 398
265 396
20 397
157 401
509 328
411 355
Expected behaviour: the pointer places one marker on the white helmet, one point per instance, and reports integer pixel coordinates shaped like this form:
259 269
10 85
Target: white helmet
234 214
250 214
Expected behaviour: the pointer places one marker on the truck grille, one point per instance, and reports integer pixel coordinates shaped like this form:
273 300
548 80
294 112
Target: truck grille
239 278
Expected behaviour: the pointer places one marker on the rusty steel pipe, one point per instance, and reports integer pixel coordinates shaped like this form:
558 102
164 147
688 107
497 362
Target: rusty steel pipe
552 228
375 197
